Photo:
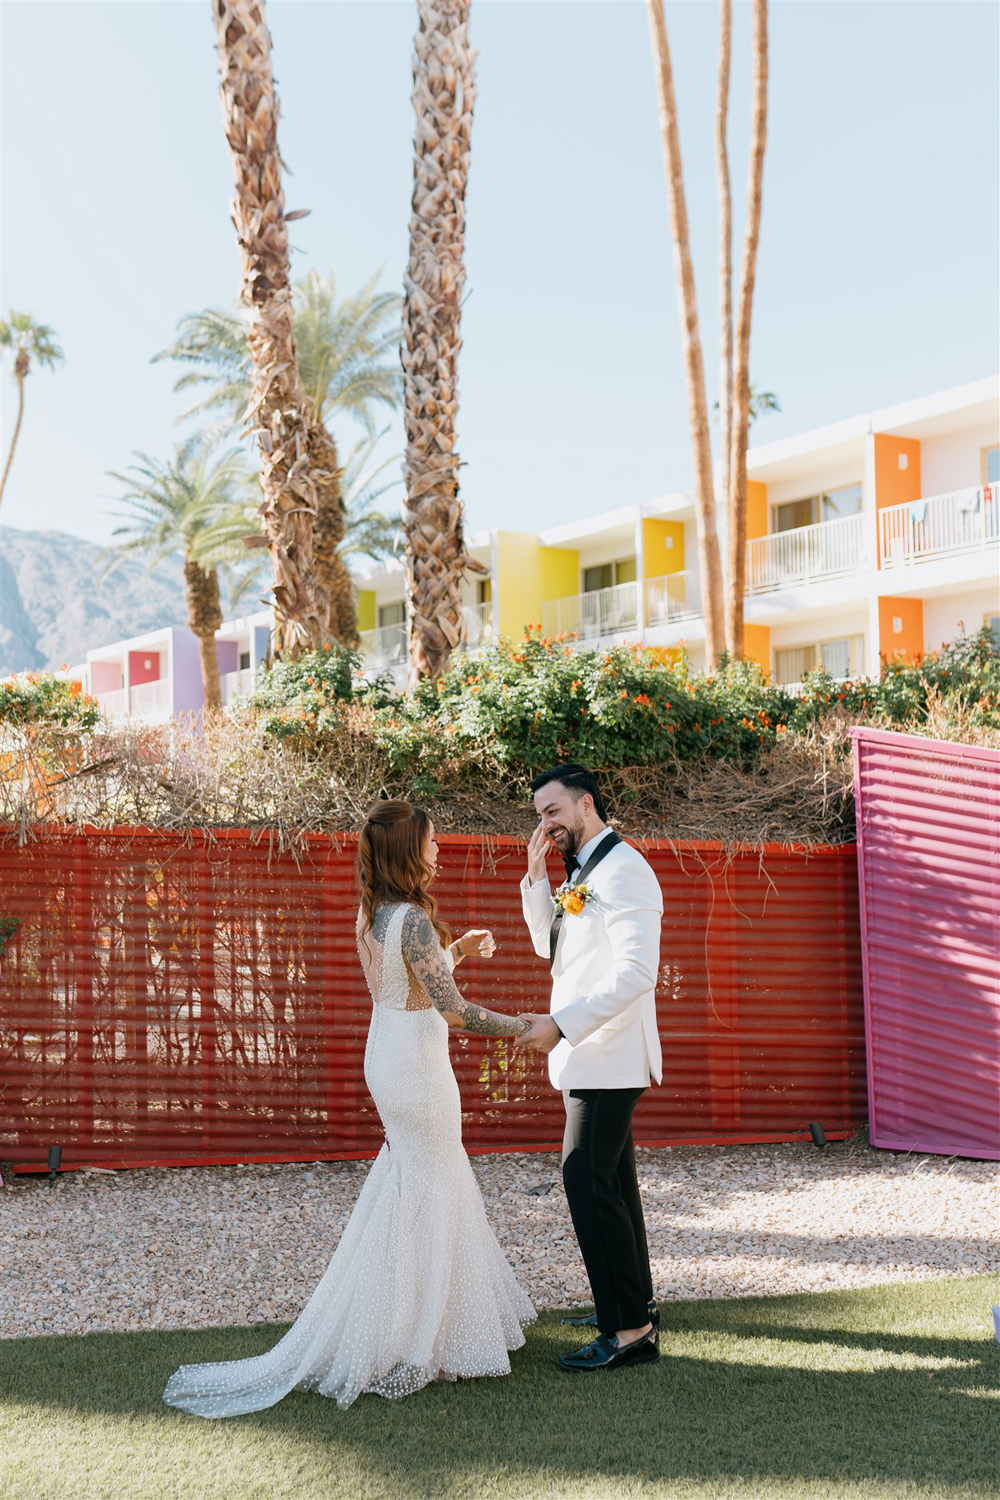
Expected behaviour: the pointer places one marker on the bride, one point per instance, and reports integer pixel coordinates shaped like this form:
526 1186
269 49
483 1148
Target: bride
418 1288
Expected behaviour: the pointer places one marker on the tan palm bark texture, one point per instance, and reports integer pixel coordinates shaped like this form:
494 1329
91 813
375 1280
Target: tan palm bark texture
710 565
299 471
201 592
725 195
741 360
443 97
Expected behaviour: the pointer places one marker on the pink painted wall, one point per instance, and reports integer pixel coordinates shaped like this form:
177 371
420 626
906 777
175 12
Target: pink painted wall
105 676
928 819
143 666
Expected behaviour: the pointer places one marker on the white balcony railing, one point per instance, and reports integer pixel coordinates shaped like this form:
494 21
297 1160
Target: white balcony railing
963 521
383 647
672 597
827 550
234 684
114 705
150 698
595 616
477 628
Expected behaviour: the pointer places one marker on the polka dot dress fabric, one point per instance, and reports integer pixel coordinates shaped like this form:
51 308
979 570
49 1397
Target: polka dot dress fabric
418 1288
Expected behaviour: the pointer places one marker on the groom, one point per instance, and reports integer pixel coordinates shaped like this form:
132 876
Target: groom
602 941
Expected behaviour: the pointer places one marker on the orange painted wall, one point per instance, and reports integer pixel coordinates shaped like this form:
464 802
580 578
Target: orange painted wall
756 509
908 643
893 485
757 645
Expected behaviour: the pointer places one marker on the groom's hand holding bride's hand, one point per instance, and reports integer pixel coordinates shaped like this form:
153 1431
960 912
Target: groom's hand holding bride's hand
542 1034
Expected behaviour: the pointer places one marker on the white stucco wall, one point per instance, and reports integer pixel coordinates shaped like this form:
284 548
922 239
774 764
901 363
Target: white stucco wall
954 461
950 615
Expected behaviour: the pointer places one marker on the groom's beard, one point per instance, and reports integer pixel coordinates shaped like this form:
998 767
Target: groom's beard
568 840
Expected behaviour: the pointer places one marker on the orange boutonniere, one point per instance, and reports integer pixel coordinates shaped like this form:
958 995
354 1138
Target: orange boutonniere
572 899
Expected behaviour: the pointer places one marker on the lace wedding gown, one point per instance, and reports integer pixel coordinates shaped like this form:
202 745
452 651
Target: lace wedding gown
418 1286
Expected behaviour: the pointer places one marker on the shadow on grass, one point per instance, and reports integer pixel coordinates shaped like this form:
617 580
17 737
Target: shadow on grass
710 1411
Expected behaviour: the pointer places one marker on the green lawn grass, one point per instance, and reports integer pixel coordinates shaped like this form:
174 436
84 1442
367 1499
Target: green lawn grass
878 1394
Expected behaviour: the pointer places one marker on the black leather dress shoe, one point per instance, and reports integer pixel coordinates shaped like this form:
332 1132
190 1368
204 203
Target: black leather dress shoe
605 1354
589 1320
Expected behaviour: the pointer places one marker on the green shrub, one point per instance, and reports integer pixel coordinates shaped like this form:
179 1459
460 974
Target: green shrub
42 698
302 698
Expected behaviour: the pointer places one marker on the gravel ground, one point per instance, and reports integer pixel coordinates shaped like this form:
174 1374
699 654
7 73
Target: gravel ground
201 1246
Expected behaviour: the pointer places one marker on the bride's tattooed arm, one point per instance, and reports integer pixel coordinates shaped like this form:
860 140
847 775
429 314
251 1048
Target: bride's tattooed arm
425 956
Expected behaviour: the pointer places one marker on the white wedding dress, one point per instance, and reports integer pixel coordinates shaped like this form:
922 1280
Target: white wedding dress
418 1287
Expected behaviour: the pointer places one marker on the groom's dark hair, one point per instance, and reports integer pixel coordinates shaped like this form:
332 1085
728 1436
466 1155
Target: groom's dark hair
577 780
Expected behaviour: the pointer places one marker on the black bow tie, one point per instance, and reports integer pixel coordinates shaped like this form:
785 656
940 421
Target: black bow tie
572 865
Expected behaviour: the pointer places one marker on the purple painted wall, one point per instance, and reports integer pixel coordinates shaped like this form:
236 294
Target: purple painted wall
188 697
228 653
928 818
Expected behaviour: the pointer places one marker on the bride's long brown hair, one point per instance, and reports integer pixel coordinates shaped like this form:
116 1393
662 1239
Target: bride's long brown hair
392 865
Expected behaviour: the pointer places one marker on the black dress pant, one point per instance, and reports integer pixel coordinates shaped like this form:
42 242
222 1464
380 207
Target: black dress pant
598 1166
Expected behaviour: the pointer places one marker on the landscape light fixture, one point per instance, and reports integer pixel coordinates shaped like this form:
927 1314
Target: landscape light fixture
816 1131
55 1157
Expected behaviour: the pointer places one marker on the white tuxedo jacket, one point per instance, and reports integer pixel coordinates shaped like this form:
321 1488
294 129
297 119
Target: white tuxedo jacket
604 975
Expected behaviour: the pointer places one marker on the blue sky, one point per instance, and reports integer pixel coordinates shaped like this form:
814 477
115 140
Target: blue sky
877 276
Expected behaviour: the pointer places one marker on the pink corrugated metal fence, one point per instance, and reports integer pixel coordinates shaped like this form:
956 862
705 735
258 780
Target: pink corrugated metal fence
171 1000
929 865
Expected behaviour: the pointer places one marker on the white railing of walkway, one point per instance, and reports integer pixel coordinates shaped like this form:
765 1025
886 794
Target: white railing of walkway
233 684
386 646
962 521
674 596
594 616
150 697
113 705
828 550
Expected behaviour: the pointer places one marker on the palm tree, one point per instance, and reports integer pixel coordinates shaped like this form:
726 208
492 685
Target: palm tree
444 93
347 363
347 353
298 457
710 564
738 436
724 405
32 341
170 508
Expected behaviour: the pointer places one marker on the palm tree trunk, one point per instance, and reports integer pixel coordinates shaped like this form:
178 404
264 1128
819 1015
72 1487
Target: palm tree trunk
201 591
20 370
444 93
328 533
741 368
297 454
725 241
694 369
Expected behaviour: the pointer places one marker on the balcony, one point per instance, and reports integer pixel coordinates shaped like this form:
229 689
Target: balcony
384 648
672 597
113 705
597 616
236 684
477 626
830 549
150 698
963 521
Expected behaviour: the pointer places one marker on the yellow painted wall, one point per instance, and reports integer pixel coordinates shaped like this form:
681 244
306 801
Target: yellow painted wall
757 645
756 510
526 575
908 643
366 609
662 547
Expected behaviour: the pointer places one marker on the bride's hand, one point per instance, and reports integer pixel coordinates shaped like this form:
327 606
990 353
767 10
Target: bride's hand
480 942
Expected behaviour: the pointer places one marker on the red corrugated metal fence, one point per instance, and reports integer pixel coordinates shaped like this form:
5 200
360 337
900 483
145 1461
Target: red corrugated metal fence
175 999
929 859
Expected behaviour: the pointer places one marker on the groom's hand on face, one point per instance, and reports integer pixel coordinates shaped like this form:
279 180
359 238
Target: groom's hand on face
538 846
542 1035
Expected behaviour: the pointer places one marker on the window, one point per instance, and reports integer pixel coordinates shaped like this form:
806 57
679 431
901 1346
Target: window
993 624
606 575
831 505
485 589
842 657
244 660
391 614
991 465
